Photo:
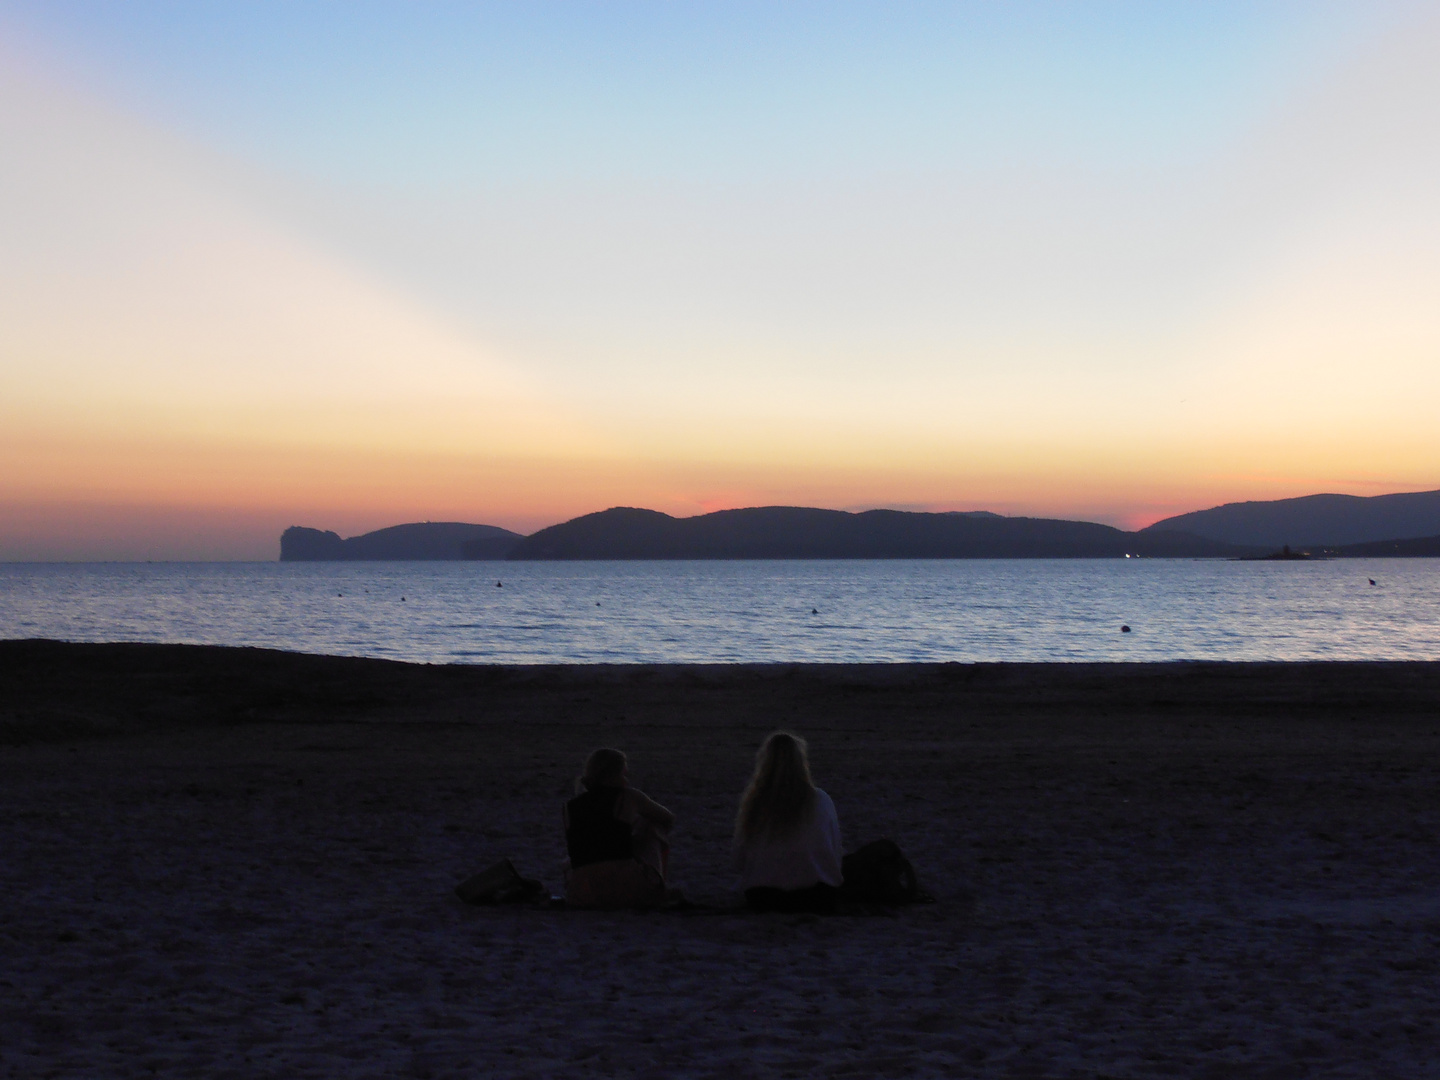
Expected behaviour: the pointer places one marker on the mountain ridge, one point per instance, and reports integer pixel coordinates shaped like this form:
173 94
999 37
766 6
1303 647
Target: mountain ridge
794 532
1402 524
1314 521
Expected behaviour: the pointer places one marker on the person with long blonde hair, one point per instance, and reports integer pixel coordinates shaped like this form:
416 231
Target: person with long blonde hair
787 834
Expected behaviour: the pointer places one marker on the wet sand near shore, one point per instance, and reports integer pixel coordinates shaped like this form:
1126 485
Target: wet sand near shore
234 862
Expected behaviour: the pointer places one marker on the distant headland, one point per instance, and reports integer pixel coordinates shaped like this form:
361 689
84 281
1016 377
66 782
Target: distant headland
1315 526
425 541
769 532
1318 525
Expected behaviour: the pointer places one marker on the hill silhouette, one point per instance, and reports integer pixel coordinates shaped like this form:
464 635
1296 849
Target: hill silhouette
1314 521
793 532
1422 547
427 541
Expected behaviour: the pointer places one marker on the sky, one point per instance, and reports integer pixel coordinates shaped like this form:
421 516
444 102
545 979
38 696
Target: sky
353 264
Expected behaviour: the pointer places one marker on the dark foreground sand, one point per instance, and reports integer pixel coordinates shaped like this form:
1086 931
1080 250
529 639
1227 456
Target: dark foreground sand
238 863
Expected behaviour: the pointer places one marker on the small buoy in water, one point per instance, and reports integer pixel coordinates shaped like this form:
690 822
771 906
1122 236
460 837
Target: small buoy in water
814 611
1371 580
1124 629
402 599
339 594
597 603
498 585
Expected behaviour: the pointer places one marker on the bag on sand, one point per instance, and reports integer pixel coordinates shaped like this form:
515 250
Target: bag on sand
499 884
879 873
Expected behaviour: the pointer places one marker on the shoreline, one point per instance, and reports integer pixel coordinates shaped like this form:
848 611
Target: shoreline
63 690
234 862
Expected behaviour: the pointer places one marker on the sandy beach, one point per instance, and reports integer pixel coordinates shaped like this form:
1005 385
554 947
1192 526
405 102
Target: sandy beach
232 862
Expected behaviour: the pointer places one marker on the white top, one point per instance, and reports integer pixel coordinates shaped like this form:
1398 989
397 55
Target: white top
807 857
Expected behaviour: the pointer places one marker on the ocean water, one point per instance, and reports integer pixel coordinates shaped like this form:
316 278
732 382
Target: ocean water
761 611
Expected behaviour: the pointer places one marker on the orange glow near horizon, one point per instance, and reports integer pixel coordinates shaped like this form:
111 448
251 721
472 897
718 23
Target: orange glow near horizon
252 495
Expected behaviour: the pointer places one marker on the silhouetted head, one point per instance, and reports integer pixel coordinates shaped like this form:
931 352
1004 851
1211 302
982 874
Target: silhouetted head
603 768
781 795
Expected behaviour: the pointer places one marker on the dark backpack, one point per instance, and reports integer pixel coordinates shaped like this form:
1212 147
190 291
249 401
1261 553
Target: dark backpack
879 873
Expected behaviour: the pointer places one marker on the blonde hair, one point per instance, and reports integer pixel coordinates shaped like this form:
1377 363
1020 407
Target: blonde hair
781 796
603 768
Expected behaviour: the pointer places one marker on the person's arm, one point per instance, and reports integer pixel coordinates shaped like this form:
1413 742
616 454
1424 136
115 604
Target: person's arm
647 808
828 859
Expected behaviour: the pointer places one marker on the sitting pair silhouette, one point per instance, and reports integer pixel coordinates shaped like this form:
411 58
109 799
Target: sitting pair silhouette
787 836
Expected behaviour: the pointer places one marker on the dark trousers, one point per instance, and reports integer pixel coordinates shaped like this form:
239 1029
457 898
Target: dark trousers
820 898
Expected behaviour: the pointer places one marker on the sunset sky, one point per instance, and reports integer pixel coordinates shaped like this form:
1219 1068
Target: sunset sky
353 264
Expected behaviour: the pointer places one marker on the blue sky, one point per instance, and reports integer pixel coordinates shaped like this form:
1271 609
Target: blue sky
511 263
422 95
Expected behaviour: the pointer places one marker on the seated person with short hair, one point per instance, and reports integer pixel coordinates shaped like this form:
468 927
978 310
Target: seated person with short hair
616 837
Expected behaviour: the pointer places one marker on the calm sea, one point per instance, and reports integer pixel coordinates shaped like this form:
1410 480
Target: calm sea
624 612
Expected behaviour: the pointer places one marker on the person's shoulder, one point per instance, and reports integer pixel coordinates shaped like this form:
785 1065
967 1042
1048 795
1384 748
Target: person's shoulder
823 800
635 798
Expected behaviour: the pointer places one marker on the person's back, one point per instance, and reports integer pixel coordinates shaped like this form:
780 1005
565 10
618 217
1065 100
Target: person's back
593 833
615 837
787 833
